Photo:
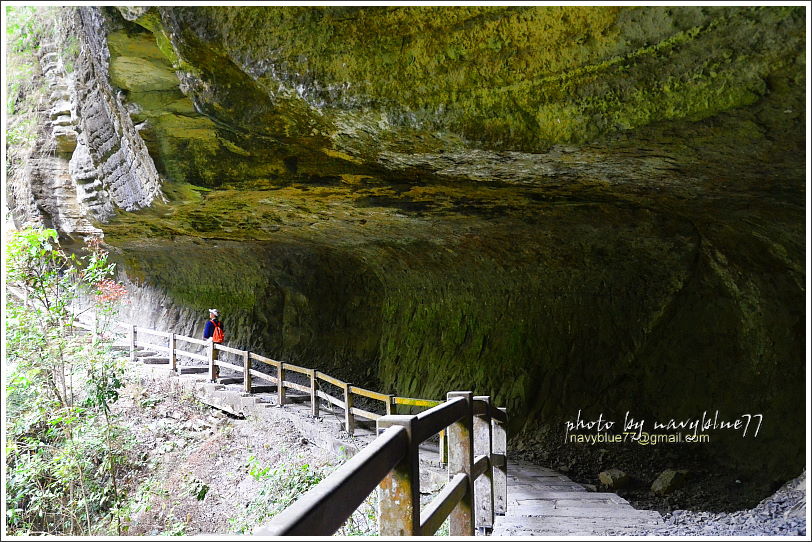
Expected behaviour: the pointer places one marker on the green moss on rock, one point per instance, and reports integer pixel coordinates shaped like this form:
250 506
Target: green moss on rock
546 73
369 82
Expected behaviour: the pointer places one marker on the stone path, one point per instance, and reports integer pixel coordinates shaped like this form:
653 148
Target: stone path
544 502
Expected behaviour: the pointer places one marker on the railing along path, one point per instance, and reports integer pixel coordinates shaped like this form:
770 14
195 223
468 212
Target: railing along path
473 443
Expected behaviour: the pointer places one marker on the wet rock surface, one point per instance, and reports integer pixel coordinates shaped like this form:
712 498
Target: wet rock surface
668 481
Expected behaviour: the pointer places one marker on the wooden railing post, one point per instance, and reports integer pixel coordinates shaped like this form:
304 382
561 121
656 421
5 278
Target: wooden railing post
483 486
500 470
173 356
132 342
399 491
349 419
280 386
390 403
314 396
246 371
461 460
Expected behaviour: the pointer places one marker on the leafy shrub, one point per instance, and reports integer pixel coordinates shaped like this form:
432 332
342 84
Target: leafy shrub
26 27
64 448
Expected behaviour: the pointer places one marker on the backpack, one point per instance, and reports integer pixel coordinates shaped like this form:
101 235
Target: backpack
218 335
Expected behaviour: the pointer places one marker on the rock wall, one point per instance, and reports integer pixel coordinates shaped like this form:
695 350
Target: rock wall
89 160
111 159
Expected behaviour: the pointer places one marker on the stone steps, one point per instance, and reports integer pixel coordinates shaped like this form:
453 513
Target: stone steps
186 370
229 380
153 360
542 502
263 390
144 353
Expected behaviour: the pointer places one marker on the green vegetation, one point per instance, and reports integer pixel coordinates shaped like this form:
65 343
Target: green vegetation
69 53
284 483
75 458
65 449
26 26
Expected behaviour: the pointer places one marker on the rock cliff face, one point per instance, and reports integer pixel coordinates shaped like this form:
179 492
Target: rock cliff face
89 160
566 208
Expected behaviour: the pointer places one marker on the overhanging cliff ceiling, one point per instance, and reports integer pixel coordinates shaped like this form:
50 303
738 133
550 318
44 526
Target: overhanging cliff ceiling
464 110
489 93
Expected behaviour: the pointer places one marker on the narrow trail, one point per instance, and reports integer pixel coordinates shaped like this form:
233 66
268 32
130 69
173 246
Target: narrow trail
540 501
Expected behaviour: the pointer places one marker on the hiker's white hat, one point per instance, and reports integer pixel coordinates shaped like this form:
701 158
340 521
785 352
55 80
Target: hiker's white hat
214 312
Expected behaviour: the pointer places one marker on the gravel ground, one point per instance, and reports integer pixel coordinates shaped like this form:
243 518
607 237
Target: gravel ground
783 513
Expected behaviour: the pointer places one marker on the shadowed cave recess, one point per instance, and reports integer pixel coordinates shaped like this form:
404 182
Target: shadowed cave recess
594 209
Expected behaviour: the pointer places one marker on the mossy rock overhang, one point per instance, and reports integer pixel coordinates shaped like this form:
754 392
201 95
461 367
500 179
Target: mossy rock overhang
433 90
569 207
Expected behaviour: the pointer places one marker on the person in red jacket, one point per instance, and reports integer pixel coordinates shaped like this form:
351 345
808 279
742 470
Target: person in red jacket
214 329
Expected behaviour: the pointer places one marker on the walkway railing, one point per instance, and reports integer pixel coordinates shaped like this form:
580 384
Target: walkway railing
473 443
475 492
282 370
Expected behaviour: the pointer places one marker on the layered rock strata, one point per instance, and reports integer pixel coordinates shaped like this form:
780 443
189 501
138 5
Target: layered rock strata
89 160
